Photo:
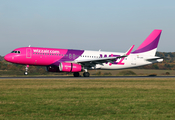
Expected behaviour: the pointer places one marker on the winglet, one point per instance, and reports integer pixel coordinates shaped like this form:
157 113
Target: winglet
129 51
125 55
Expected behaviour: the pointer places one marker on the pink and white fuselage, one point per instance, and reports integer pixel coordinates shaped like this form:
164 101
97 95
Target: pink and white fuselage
69 60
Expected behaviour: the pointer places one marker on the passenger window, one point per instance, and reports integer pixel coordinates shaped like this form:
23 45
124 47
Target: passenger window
70 56
73 56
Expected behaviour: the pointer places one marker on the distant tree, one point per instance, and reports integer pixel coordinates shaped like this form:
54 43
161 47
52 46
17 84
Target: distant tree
126 72
155 66
107 73
1 58
167 73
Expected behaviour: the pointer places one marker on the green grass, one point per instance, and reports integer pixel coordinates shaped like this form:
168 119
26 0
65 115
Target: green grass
88 99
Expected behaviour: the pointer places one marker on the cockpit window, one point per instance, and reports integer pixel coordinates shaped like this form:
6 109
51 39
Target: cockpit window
18 52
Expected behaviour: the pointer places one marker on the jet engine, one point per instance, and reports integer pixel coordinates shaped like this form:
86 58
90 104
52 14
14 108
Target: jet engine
69 67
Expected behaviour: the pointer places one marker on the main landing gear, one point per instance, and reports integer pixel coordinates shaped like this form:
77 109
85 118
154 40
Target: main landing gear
76 74
27 67
85 74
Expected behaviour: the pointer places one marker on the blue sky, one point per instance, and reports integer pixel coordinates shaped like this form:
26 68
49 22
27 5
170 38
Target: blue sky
109 25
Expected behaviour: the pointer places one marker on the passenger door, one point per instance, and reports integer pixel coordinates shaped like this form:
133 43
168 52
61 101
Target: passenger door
28 53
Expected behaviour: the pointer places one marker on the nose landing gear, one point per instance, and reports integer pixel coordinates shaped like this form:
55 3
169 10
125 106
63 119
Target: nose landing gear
27 67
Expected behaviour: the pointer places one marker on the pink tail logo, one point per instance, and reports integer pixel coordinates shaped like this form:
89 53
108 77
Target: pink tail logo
150 43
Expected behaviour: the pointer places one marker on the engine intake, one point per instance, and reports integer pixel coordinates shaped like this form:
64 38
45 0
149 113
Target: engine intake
70 67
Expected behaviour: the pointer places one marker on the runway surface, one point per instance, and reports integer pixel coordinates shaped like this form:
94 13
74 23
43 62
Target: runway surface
92 77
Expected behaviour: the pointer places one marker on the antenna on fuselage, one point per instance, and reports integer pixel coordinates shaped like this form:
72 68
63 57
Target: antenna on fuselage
29 45
99 50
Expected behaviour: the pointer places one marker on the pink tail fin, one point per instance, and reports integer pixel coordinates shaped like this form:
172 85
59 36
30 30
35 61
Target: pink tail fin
150 43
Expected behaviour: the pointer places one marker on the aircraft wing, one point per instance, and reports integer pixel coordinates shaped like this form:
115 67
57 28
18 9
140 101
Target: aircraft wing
93 62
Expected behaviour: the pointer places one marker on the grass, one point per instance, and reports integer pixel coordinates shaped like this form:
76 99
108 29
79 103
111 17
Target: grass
88 99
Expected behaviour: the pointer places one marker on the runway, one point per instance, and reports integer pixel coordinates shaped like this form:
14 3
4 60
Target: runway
92 77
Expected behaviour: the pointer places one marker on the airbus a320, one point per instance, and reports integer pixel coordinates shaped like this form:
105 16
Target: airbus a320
75 61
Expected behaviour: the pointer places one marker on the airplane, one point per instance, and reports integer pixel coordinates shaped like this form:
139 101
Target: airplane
75 61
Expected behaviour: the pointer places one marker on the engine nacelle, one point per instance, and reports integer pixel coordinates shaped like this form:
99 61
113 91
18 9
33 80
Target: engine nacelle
70 67
52 69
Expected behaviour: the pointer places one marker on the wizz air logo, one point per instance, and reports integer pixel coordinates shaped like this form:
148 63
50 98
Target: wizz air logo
115 62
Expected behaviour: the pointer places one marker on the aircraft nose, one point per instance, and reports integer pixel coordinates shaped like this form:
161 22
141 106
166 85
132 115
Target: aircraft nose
8 57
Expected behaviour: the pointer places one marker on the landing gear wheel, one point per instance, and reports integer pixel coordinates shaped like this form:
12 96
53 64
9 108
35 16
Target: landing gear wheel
76 74
86 74
27 67
25 73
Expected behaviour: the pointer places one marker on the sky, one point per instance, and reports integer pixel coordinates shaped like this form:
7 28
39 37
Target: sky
109 25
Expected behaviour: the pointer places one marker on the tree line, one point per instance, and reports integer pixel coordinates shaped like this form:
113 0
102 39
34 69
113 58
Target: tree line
167 64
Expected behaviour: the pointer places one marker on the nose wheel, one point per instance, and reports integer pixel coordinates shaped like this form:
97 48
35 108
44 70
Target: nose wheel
27 67
25 73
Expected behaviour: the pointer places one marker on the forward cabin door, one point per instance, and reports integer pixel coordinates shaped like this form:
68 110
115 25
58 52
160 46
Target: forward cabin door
28 53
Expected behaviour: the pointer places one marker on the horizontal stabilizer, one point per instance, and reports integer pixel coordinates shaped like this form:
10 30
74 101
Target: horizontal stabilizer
158 59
